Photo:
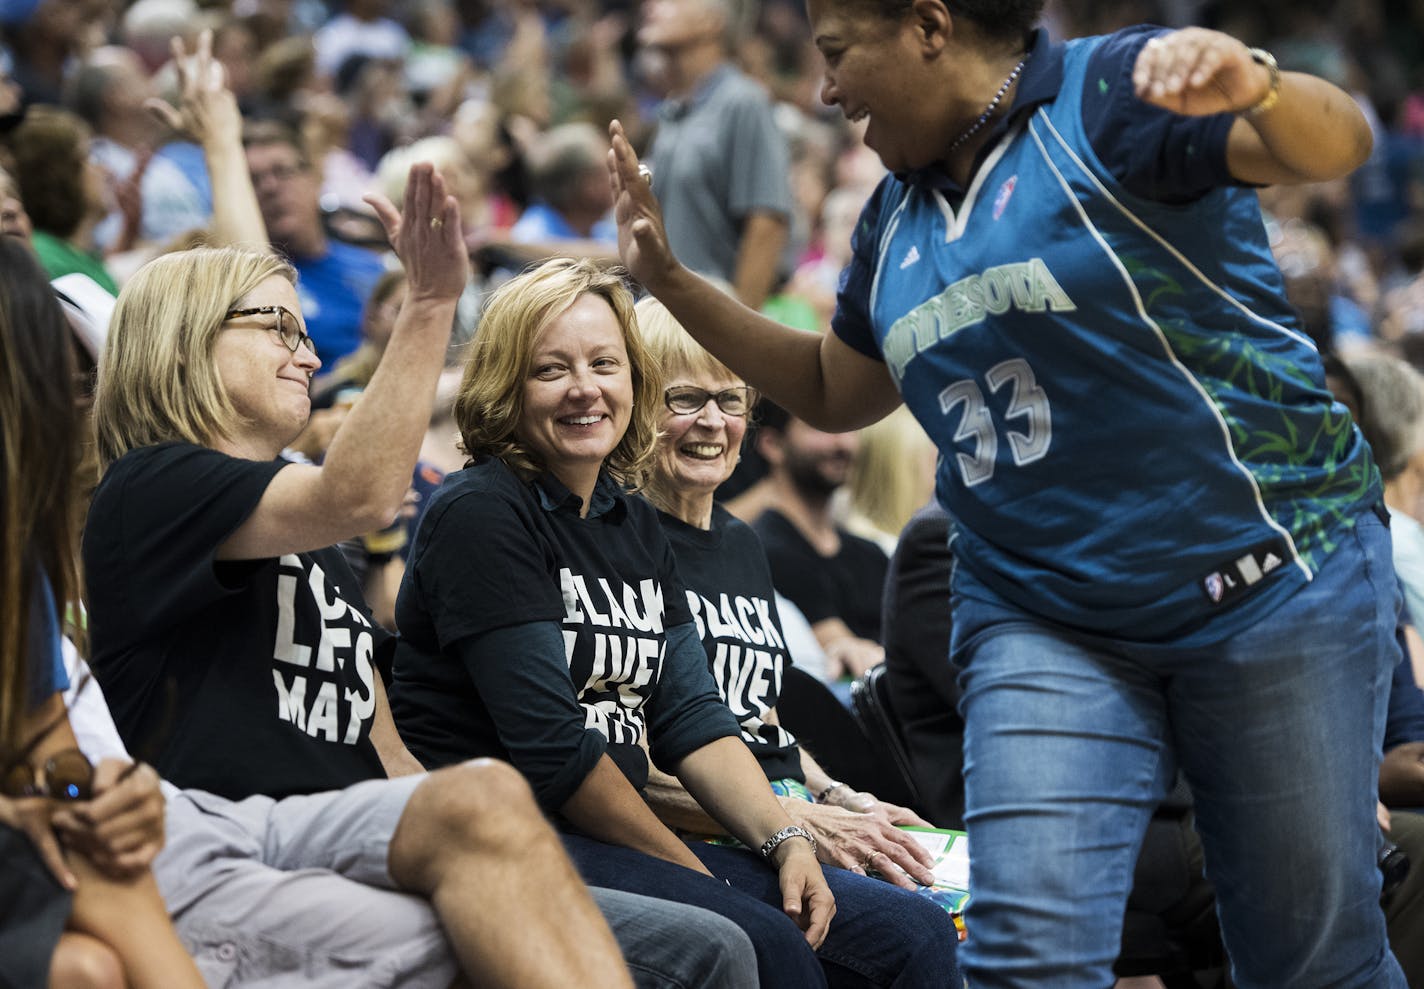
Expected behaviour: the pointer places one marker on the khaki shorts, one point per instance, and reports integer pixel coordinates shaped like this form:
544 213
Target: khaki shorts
296 892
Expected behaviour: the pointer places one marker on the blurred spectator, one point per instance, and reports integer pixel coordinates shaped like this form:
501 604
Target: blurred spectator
354 371
1392 419
63 192
42 36
720 164
332 277
381 115
832 576
1307 262
483 134
571 212
891 476
361 29
235 46
157 182
816 280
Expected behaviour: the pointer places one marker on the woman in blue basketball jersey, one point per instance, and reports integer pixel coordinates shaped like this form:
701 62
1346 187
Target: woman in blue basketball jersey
1169 543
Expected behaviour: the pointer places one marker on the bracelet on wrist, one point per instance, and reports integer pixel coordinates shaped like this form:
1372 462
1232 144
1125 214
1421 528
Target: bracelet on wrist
825 794
769 847
1273 95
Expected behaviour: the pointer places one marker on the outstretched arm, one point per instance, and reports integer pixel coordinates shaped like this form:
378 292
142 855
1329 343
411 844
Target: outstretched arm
1312 132
362 483
814 376
208 114
726 780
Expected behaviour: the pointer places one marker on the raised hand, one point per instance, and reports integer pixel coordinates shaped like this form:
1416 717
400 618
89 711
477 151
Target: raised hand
642 239
426 235
1197 72
207 109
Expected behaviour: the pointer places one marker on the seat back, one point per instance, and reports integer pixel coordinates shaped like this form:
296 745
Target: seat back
828 730
870 703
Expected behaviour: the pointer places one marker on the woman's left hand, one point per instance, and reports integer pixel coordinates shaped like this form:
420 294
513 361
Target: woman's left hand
1196 72
425 234
857 840
120 829
805 897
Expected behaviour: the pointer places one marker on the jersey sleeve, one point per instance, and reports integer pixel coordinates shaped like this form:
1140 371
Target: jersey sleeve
1154 153
851 320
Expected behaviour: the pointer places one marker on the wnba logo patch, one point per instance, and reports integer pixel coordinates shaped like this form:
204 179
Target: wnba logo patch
1236 577
1006 191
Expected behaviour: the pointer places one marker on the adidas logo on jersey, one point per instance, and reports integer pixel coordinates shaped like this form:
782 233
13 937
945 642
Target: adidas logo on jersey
910 258
1240 575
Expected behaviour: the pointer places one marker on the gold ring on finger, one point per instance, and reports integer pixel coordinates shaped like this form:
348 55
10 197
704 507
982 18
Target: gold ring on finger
436 223
646 173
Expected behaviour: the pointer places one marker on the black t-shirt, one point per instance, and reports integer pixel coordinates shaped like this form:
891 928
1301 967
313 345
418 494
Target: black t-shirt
236 677
534 635
730 593
845 586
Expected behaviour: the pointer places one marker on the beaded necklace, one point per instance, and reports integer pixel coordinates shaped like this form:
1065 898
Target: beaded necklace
988 110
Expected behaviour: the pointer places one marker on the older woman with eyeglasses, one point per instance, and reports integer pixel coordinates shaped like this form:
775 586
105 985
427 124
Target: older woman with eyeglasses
542 621
729 591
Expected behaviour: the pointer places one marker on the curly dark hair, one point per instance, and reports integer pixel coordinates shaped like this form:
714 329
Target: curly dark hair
50 148
996 20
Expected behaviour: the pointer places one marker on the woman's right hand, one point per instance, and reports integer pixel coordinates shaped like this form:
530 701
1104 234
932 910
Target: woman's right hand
426 236
642 238
805 896
32 816
121 828
207 108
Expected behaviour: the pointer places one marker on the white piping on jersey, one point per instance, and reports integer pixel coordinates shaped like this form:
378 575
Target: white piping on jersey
954 226
1167 348
1162 242
884 246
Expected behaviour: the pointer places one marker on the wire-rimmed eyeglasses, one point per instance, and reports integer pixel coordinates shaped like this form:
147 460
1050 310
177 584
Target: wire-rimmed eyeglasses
288 328
686 400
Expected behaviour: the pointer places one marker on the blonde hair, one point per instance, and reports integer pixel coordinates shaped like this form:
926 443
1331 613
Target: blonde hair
674 350
892 476
157 380
491 398
1392 412
393 170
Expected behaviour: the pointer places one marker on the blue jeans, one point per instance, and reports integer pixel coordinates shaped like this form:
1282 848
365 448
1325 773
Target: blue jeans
1072 740
881 936
673 946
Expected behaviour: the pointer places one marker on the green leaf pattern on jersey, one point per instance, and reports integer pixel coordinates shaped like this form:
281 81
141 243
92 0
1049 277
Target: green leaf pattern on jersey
1311 481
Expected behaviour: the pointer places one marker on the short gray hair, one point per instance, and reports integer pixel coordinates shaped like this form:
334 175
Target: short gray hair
1393 415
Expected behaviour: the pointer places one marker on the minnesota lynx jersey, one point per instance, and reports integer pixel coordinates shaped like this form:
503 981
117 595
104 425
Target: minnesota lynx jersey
1135 435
